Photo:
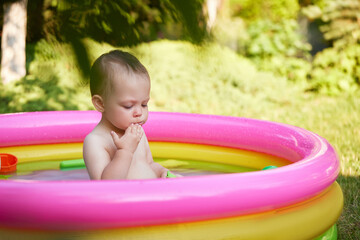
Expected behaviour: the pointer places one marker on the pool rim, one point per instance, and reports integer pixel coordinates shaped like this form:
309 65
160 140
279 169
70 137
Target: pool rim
181 200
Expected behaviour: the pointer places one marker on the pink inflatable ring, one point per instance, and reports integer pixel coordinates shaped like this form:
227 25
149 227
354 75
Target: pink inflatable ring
86 205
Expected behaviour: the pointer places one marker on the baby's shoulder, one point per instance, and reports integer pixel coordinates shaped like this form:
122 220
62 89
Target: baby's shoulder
93 137
96 139
96 144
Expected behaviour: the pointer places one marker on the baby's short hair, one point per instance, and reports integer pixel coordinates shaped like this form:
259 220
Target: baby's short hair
102 71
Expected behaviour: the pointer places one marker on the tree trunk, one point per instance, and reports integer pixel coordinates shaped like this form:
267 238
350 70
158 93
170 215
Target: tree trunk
212 10
13 41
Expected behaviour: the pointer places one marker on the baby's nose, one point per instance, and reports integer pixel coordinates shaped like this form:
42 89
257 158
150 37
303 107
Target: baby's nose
137 112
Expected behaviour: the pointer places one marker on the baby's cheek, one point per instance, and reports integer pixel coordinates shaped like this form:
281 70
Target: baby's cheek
146 118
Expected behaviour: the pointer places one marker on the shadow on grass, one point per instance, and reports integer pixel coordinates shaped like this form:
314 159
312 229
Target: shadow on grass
33 93
349 222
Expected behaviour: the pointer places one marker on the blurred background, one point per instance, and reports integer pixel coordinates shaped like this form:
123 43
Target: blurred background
290 61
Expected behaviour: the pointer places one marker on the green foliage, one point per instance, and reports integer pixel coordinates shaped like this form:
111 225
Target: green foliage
124 22
336 71
188 78
292 68
185 77
35 94
121 23
274 10
52 82
268 38
277 48
341 21
280 49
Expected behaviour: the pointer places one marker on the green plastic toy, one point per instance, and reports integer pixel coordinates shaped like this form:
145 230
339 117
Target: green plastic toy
269 167
170 175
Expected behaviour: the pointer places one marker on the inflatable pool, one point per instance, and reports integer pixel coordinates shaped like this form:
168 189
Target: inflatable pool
298 200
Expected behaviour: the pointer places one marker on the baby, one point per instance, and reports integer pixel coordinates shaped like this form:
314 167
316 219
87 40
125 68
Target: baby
117 148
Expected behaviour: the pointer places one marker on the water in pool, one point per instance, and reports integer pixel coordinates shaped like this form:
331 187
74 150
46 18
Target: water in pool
49 171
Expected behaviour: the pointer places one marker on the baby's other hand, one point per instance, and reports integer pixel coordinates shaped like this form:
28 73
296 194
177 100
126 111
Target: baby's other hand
164 174
131 138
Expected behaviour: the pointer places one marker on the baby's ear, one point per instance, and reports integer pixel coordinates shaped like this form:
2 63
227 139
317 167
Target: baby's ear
98 103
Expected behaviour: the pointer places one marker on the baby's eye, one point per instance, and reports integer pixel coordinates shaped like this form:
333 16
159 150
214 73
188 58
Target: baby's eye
144 105
127 107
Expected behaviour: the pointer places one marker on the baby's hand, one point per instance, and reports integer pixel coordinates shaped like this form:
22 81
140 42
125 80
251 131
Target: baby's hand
130 140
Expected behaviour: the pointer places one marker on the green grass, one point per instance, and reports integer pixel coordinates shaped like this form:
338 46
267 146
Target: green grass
211 80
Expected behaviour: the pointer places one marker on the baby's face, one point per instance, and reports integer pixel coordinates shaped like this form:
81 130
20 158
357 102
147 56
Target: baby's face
127 101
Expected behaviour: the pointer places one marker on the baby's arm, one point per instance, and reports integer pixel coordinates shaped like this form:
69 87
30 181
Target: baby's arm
95 156
159 170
